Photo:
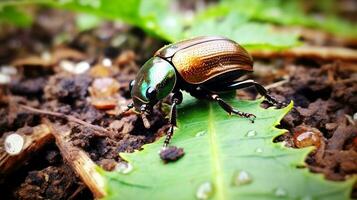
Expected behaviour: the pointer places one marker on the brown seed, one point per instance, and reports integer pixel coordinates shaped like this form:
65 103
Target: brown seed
104 87
100 71
305 136
104 103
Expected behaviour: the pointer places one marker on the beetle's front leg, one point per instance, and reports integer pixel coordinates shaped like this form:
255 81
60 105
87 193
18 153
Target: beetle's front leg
175 100
172 153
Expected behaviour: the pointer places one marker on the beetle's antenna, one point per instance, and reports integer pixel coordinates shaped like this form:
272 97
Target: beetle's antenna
145 120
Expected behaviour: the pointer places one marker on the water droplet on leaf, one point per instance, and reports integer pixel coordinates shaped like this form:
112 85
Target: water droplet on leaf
259 150
280 192
307 198
124 168
201 133
242 178
251 133
205 190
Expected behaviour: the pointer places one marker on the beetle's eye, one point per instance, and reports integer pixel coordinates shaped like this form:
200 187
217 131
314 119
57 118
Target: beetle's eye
151 93
131 85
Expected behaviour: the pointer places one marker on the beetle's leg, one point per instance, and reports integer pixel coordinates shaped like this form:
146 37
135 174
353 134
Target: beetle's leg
202 92
229 109
128 107
261 90
176 99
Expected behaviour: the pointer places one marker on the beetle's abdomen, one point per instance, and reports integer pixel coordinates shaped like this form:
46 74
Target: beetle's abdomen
201 62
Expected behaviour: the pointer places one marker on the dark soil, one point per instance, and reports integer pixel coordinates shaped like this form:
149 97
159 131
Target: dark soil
324 94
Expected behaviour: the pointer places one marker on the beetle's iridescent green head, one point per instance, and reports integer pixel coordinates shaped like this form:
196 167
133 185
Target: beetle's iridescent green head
155 81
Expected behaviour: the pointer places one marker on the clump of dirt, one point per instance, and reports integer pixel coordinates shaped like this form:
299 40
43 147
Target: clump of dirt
171 154
325 98
49 183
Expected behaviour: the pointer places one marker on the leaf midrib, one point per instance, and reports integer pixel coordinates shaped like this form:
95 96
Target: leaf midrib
217 164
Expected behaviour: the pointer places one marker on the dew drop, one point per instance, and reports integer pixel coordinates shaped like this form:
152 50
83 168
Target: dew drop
14 144
124 168
280 192
259 150
201 133
242 178
204 191
307 198
305 136
251 133
4 78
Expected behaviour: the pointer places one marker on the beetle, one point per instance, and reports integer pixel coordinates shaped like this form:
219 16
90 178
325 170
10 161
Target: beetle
202 66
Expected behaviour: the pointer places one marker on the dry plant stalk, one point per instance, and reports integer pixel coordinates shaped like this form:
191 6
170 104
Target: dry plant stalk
40 136
97 129
318 36
79 161
313 52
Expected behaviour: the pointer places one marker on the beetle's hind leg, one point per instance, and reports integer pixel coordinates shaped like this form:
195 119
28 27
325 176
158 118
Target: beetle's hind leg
260 89
202 92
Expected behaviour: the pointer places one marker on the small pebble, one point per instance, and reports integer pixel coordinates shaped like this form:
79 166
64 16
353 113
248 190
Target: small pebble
8 70
106 62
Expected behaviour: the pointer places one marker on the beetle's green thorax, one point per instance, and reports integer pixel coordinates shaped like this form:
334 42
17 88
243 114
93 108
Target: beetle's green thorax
156 75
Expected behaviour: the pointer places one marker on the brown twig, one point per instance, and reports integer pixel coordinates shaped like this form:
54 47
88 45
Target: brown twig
318 37
79 161
276 84
40 136
99 130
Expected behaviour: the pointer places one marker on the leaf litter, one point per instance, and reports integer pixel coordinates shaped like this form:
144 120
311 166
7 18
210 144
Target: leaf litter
323 101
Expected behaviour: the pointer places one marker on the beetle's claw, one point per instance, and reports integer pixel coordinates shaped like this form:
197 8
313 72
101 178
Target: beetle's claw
280 104
252 118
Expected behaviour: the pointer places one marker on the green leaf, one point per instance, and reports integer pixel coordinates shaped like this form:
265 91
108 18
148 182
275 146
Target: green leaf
87 21
290 13
238 27
15 16
156 18
226 157
153 16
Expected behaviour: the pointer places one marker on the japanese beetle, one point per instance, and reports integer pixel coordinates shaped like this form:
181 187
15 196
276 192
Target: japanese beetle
202 66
